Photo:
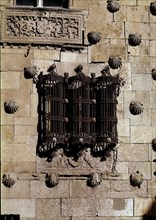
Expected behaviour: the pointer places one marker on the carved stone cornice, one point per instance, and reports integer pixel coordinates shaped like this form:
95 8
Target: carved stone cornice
26 25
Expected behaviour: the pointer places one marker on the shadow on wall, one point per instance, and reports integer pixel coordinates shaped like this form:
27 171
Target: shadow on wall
151 214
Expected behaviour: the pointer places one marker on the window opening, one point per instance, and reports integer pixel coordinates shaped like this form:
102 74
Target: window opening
43 3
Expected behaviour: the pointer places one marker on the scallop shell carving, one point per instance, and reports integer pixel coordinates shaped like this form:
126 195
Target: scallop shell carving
113 6
9 179
134 39
136 108
30 72
51 180
154 144
11 107
153 8
136 179
153 74
94 37
115 62
94 179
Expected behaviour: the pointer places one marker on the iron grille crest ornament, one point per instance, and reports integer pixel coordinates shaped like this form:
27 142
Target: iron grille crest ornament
77 112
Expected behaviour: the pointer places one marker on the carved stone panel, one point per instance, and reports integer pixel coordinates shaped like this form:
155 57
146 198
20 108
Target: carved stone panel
40 26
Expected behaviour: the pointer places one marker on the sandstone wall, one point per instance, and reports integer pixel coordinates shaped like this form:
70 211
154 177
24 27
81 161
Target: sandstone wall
115 198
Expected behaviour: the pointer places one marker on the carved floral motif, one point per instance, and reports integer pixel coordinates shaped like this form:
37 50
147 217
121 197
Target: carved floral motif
60 27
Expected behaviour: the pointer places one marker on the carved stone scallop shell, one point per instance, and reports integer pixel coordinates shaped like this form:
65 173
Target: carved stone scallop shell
134 39
153 8
9 179
153 74
94 179
51 180
115 62
113 6
154 144
94 37
11 107
30 72
136 179
136 108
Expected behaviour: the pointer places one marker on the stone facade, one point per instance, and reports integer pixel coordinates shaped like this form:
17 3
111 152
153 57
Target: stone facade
114 198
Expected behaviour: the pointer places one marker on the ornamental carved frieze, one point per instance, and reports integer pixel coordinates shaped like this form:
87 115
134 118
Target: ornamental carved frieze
39 26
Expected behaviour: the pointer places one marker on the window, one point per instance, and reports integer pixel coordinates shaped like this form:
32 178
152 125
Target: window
10 217
43 3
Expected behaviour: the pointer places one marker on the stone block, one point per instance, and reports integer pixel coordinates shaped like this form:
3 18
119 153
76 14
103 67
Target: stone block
107 29
74 57
138 82
26 121
18 152
131 152
80 4
142 134
132 13
152 31
141 28
140 65
12 62
152 47
22 130
110 207
7 133
101 11
102 52
47 208
107 218
143 206
124 128
48 54
79 189
143 50
34 105
143 167
7 82
122 167
38 189
79 207
24 207
151 188
127 2
6 119
18 166
20 190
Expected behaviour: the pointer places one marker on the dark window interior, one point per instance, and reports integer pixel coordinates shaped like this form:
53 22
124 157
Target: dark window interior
10 217
25 2
46 3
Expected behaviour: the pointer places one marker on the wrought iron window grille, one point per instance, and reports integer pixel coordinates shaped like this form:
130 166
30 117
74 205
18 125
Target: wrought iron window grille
77 112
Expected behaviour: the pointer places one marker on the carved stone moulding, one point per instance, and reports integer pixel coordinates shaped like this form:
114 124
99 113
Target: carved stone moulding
51 180
94 37
153 8
136 179
115 62
136 108
11 107
153 74
113 6
94 179
9 179
154 144
134 39
41 27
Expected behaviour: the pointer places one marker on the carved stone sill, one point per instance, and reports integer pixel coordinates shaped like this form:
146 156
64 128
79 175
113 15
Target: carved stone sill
42 26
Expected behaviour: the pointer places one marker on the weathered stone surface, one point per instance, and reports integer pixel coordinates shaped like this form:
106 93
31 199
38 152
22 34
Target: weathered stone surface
123 127
152 31
38 189
7 82
26 121
78 207
131 152
109 207
151 188
143 205
18 152
22 130
142 134
144 68
46 208
74 57
7 134
20 190
34 105
152 48
138 82
142 28
132 14
18 166
24 207
48 54
79 189
122 167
